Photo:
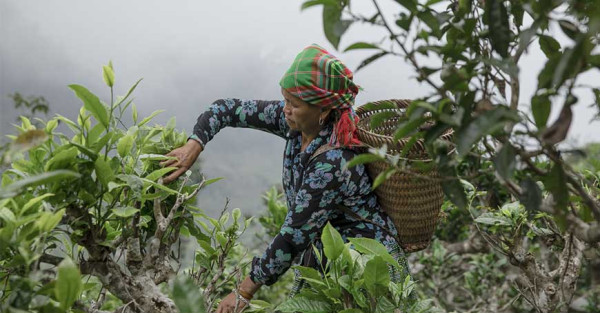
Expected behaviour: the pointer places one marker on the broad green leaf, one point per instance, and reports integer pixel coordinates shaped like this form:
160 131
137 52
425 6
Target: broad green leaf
490 219
363 159
211 181
410 5
302 304
236 214
310 273
148 118
541 107
125 145
187 296
156 174
88 152
455 192
505 161
379 118
108 75
568 28
556 182
372 247
128 93
62 159
48 177
549 45
487 123
531 195
91 103
499 29
7 215
48 221
384 305
159 186
361 45
125 212
311 3
333 25
376 275
104 171
370 59
156 157
68 284
101 143
94 134
34 201
333 245
382 177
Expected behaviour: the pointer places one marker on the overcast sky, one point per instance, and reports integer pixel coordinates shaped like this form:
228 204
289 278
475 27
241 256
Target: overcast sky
189 54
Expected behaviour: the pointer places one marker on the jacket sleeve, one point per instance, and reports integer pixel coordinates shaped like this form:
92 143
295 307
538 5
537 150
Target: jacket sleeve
325 183
256 114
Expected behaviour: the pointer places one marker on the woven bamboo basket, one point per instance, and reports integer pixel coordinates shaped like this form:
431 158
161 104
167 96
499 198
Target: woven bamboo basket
412 198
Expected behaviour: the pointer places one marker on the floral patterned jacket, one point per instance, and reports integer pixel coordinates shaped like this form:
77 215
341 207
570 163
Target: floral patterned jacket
312 188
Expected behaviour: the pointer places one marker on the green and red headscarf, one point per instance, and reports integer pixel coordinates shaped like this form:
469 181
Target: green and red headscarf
321 79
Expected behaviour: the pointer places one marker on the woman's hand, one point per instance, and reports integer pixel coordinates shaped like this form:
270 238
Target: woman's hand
229 303
186 156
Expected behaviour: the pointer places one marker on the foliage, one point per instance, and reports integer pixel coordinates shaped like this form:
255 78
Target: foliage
353 282
533 208
72 206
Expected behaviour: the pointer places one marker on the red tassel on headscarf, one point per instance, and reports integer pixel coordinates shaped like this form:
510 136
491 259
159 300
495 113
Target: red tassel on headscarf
345 131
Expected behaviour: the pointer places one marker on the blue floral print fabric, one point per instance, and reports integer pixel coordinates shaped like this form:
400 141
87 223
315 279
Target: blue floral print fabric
313 189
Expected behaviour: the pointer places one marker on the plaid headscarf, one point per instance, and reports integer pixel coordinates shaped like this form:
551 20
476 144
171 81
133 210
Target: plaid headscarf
321 79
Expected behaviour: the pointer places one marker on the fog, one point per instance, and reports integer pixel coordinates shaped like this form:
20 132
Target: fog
190 53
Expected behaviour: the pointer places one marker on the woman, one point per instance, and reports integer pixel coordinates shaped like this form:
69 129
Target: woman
317 110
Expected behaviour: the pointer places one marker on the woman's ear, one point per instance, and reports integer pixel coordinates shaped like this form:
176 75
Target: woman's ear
326 114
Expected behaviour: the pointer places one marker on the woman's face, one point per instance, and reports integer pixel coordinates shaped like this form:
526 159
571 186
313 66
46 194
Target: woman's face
300 115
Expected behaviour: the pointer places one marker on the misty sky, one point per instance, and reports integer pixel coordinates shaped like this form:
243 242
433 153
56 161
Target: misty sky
191 53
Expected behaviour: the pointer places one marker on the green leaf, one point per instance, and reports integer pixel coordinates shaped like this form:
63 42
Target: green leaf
304 305
311 3
156 174
48 221
34 201
7 215
187 296
47 177
549 45
556 182
383 176
455 192
68 284
370 59
363 159
376 275
148 118
211 181
490 219
159 186
541 107
128 93
62 159
410 5
91 103
379 118
499 30
487 123
125 145
333 245
361 45
505 161
310 274
104 171
373 247
333 25
531 195
108 75
384 305
568 28
134 113
125 212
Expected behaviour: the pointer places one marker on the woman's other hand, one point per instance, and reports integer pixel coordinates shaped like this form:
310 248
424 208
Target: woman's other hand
185 156
229 303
